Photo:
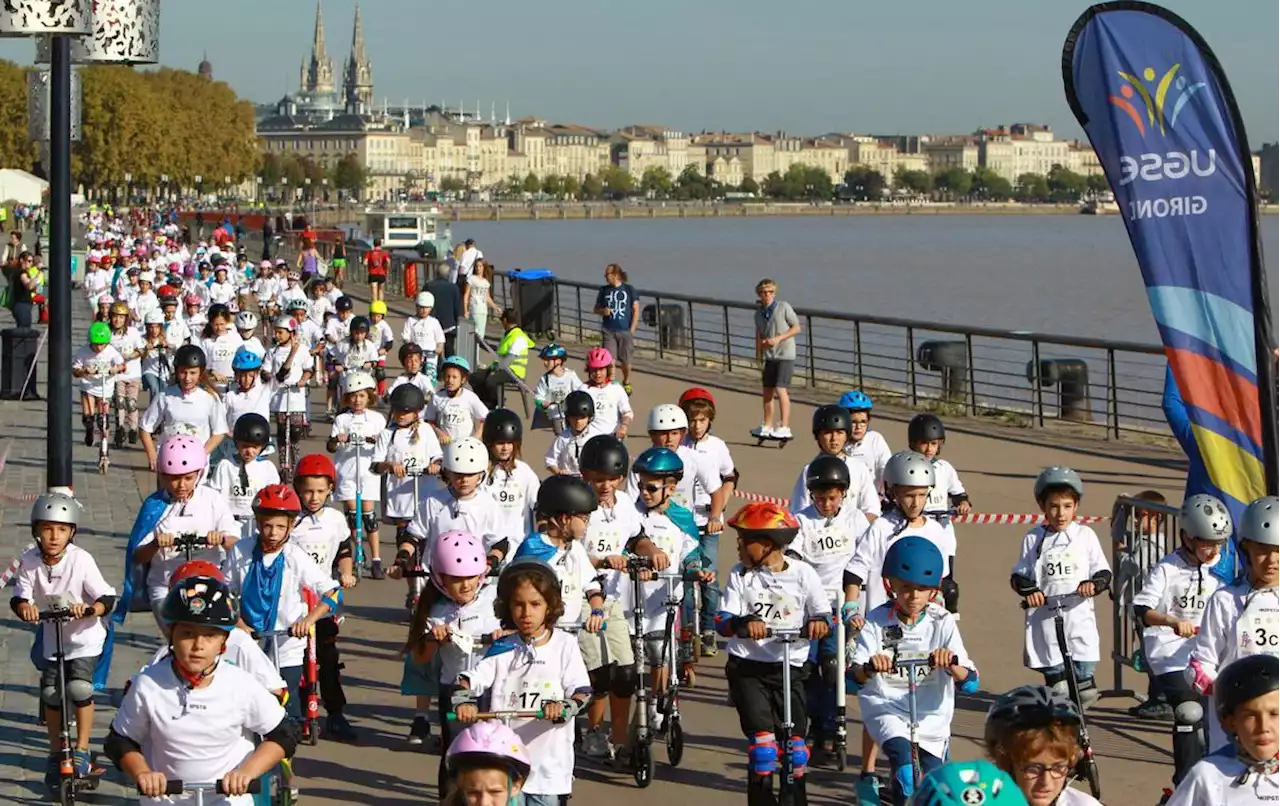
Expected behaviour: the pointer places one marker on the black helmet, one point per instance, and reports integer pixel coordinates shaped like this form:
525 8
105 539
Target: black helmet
566 495
1245 679
200 600
407 397
827 471
359 323
831 418
409 348
579 404
1028 707
925 428
344 303
187 356
502 425
605 454
253 429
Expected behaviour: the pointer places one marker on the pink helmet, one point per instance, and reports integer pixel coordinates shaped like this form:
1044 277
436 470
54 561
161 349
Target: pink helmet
458 554
489 743
180 455
266 264
142 251
193 299
599 358
189 270
106 299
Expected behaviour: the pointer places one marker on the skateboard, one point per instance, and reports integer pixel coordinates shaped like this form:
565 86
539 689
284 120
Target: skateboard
761 440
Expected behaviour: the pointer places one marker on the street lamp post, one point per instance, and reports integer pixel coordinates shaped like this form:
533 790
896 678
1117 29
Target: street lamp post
199 188
164 187
128 188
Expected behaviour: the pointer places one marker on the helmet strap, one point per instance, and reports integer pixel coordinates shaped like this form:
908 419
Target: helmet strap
193 680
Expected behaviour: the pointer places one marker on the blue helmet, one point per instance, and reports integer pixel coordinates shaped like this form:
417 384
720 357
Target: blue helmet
456 361
856 401
661 462
914 559
552 351
246 360
960 783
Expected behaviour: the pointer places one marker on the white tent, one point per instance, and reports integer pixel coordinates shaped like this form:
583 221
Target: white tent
21 186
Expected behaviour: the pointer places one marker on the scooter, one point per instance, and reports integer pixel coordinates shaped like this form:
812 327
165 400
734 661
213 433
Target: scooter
174 787
310 680
276 785
358 565
71 783
669 700
840 744
286 460
791 790
102 421
691 639
641 733
908 666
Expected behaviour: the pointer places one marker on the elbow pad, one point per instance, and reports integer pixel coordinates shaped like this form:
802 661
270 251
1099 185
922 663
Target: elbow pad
1140 613
970 684
1101 581
118 746
1023 585
281 374
732 478
724 624
958 497
108 604
344 551
852 579
287 735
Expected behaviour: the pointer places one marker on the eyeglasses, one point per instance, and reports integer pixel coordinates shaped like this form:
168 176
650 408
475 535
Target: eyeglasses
1058 771
652 488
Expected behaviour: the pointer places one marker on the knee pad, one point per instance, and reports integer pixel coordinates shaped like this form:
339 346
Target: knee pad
402 534
951 595
830 670
351 520
762 754
625 682
601 679
379 373
1089 694
371 523
80 692
49 696
905 777
131 404
799 756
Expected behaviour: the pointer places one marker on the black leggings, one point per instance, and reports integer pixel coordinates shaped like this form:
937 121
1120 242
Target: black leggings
1188 745
330 666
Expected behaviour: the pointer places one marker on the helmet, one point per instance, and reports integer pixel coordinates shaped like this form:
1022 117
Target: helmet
599 358
1245 679
855 400
189 356
409 348
458 554
377 307
925 428
1058 476
660 462
827 471
264 265
407 397
147 277
207 601
551 351
768 520
297 304
566 495
153 318
489 743
908 469
119 309
276 498
913 559
246 360
180 455
831 418
357 380
359 323
196 568
192 299
696 393
99 333
1029 707
106 299
316 464
502 425
968 783
1260 522
466 456
55 507
1205 517
456 361
604 454
667 417
344 303
425 299
246 320
579 403
252 428
287 323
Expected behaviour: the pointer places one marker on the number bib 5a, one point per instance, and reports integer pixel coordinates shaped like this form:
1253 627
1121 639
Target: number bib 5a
604 540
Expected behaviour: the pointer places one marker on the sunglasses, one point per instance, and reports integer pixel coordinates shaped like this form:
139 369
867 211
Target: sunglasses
652 487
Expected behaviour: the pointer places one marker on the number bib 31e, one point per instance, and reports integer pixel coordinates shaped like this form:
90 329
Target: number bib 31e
1059 570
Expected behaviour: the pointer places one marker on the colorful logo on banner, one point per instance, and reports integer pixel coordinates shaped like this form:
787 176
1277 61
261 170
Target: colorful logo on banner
1154 97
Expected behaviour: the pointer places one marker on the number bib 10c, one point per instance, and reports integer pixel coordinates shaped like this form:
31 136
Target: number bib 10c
829 543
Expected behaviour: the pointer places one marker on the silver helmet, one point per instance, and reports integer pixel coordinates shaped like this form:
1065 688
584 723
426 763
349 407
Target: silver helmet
1260 522
908 469
55 507
1058 476
1205 518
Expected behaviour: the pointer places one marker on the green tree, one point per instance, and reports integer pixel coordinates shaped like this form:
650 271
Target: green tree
592 187
656 181
553 185
749 185
1031 188
1065 186
531 183
954 182
1097 183
270 170
348 174
692 185
864 184
572 186
452 184
988 185
617 182
917 182
16 148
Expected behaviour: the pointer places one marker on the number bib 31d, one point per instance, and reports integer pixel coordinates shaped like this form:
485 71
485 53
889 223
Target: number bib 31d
1257 629
1189 604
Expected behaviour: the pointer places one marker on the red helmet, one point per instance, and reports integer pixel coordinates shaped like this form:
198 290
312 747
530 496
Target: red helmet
196 568
696 393
316 464
768 520
276 498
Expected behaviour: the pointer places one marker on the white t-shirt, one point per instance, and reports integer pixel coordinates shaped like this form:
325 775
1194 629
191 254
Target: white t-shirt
129 342
415 447
99 382
206 511
884 698
360 426
456 415
336 331
1058 562
426 333
197 734
176 333
785 600
196 414
946 484
467 625
243 653
300 571
254 345
828 544
609 531
868 555
380 334
221 351
441 512
516 492
320 535
318 309
422 380
679 547
151 363
578 579
237 403
1213 781
74 579
612 404
521 680
356 355
286 397
714 454
555 388
862 489
1181 590
222 292
229 478
698 473
873 452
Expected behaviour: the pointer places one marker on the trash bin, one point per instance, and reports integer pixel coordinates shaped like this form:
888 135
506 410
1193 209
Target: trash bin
534 294
951 358
1071 376
669 323
19 351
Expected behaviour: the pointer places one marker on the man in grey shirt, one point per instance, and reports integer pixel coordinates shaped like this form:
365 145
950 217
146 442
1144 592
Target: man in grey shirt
776 329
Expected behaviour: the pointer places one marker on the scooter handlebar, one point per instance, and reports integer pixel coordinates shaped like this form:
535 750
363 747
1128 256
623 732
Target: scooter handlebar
56 614
452 716
787 635
1052 601
176 787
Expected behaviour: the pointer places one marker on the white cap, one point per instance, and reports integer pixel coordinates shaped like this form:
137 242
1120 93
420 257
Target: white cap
425 299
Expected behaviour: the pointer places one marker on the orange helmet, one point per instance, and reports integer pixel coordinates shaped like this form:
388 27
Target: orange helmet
767 520
196 568
696 393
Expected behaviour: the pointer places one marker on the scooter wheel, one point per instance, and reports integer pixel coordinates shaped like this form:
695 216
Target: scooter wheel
842 756
313 733
67 791
675 741
642 763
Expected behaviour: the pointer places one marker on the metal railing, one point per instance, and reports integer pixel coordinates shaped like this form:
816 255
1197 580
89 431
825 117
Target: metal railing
1142 533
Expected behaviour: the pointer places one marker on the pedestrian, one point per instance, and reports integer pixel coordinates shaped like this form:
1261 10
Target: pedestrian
467 262
376 262
478 299
339 260
22 285
619 309
447 305
776 329
512 363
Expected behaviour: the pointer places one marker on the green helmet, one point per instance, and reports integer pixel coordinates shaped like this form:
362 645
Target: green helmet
99 333
968 783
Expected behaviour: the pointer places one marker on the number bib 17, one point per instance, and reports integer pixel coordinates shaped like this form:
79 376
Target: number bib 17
534 688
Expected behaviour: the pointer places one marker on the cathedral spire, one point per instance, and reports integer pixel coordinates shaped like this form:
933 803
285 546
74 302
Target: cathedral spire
318 72
358 76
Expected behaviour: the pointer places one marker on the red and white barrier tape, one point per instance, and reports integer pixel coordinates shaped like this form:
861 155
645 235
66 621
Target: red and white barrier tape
981 518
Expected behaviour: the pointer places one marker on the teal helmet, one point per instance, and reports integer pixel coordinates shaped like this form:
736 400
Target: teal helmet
660 462
968 783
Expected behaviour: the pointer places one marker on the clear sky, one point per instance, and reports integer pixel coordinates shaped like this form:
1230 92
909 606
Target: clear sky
806 66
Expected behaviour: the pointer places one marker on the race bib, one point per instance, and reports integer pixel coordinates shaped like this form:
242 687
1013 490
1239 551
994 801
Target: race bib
938 500
1060 571
776 608
315 551
604 540
912 648
830 543
454 417
509 497
1188 605
183 429
534 688
1258 628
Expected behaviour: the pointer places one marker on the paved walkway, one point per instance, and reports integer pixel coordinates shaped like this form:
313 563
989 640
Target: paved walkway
1134 756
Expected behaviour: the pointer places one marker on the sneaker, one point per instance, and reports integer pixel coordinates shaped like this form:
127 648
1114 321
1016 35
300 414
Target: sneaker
337 727
85 766
782 432
375 570
709 648
656 718
88 437
119 440
868 789
420 730
763 431
133 437
595 744
1152 709
52 772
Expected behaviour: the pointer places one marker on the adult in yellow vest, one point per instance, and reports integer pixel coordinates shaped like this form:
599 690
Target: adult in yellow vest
511 366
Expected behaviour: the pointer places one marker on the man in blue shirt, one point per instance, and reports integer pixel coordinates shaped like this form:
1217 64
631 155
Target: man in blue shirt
619 310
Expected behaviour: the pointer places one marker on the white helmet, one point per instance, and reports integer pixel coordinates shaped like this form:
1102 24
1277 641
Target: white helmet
357 380
153 318
425 299
285 323
147 277
667 417
296 303
246 320
466 456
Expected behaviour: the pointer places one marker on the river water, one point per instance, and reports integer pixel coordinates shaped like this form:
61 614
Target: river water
1063 274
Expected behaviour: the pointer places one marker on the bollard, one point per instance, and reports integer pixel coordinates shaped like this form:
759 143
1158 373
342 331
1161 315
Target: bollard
1071 376
951 358
671 330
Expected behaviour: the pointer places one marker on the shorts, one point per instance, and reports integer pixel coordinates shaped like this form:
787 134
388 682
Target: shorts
777 374
338 262
617 641
81 669
653 654
620 343
419 679
377 277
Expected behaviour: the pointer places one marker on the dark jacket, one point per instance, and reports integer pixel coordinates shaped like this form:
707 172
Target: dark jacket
448 302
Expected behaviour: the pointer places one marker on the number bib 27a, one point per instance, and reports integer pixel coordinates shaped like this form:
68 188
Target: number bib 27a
775 607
